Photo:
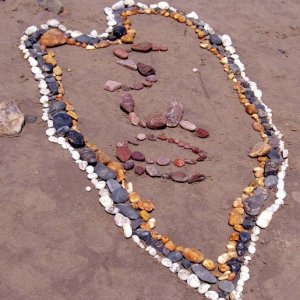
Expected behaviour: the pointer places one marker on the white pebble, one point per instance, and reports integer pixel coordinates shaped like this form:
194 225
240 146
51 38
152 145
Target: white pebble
108 10
31 30
244 276
129 3
53 23
152 251
65 145
119 219
251 249
174 268
50 123
152 223
82 165
50 131
192 15
193 281
44 91
212 295
88 188
36 70
256 230
127 230
75 155
89 169
92 176
166 262
112 210
163 5
254 238
62 27
203 288
195 70
45 117
100 185
230 49
239 288
118 5
226 40
45 26
264 219
106 201
136 239
75 34
281 194
52 139
94 181
183 274
279 201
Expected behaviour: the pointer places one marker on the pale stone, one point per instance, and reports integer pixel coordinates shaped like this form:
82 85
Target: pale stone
264 219
127 230
31 30
183 274
118 5
166 262
193 281
175 268
192 15
163 5
212 295
203 288
106 201
53 23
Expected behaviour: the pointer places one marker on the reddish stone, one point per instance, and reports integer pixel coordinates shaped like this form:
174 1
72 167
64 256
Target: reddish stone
151 78
127 103
142 47
162 137
147 83
151 137
120 53
190 161
144 69
187 146
142 123
179 162
195 150
139 170
112 86
163 161
138 156
202 156
155 48
123 153
129 64
197 177
133 119
180 143
163 47
176 141
201 133
179 176
156 121
170 140
53 37
137 86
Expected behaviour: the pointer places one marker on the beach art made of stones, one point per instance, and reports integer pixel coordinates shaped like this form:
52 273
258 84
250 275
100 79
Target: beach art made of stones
220 278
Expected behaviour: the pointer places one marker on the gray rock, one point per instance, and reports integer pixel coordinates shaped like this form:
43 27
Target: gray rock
253 205
135 224
174 114
226 286
175 256
271 181
113 185
119 196
203 274
271 168
153 171
215 40
128 211
262 191
104 172
129 64
30 118
11 119
54 6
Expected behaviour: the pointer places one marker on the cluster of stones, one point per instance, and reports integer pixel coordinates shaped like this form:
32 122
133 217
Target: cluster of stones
130 211
128 157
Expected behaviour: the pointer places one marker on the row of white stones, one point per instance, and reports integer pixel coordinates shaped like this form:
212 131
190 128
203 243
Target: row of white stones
263 219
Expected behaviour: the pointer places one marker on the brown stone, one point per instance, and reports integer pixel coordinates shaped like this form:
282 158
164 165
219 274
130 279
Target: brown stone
49 59
115 165
164 239
156 121
193 255
144 69
123 153
234 236
133 119
71 41
209 264
235 218
251 109
102 157
120 175
179 162
127 38
257 126
170 246
146 205
223 268
179 177
260 149
134 197
142 47
145 215
180 248
120 53
196 177
181 19
201 133
53 37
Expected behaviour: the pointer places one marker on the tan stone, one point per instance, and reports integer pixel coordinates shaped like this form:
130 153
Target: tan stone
127 38
165 239
57 71
120 175
53 37
49 59
223 268
235 218
260 149
257 126
209 264
115 165
134 197
180 248
102 157
234 236
251 109
170 246
146 205
145 215
193 255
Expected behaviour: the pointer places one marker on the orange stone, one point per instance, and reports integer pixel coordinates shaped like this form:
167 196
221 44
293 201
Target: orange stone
115 165
257 126
181 19
223 268
239 228
145 226
73 115
231 276
146 205
102 157
71 41
234 237
53 37
209 264
164 239
170 246
134 197
156 235
145 215
235 218
120 175
251 109
180 248
193 255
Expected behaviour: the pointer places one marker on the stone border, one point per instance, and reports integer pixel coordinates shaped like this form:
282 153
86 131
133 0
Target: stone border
34 54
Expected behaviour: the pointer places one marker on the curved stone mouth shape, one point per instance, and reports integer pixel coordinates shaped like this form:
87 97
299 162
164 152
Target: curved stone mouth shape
225 278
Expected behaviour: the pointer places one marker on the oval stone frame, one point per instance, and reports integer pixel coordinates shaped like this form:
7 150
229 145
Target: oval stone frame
34 55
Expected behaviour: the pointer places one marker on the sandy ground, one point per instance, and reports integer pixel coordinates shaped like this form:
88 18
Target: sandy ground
56 242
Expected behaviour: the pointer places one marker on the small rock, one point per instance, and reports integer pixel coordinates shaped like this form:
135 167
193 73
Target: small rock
128 165
175 256
163 161
215 39
119 196
120 53
112 86
129 64
146 83
156 121
197 177
193 255
253 205
142 47
179 162
119 31
203 274
30 118
75 139
137 86
104 172
187 125
179 177
52 38
138 156
186 263
127 103
128 211
151 78
153 171
54 6
123 153
201 133
193 281
141 136
264 219
149 161
226 286
133 119
144 69
88 155
260 149
271 181
139 170
174 114
163 47
11 119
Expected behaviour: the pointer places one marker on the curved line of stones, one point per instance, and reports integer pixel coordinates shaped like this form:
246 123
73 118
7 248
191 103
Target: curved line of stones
266 213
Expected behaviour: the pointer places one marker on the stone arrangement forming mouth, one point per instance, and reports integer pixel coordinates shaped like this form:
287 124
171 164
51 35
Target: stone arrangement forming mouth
225 278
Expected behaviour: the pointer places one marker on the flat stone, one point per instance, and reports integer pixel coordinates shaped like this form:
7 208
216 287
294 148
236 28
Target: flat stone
128 165
133 119
193 255
179 162
163 161
253 205
271 181
203 274
186 263
123 153
120 53
88 155
187 125
152 171
127 103
175 256
112 86
197 177
11 119
142 47
163 47
149 160
156 121
141 136
147 83
144 69
137 86
174 114
129 64
179 177
104 172
119 196
52 38
201 133
138 156
260 149
271 168
75 139
128 211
